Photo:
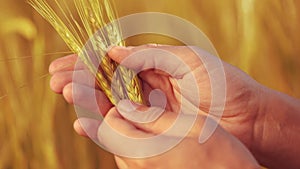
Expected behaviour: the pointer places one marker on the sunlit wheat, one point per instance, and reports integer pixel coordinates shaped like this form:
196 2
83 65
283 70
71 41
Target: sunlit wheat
94 15
36 125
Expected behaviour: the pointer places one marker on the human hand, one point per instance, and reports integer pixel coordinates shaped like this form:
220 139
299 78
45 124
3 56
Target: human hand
188 146
222 150
258 116
249 105
241 115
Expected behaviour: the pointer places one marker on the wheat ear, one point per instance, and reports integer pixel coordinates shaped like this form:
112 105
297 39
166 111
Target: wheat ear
93 14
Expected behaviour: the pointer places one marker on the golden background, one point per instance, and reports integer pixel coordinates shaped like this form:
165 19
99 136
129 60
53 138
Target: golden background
259 36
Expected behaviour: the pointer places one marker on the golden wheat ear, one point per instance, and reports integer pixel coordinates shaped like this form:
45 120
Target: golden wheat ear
94 15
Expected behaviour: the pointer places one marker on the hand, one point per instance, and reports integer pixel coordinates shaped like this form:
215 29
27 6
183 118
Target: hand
241 116
247 105
189 145
222 150
258 116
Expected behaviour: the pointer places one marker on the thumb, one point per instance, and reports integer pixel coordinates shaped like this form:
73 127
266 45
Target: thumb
139 113
119 53
169 59
155 120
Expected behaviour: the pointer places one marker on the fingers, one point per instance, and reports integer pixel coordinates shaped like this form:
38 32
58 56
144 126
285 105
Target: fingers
67 63
125 133
122 138
80 90
157 81
146 118
60 79
176 61
78 128
118 123
88 98
87 127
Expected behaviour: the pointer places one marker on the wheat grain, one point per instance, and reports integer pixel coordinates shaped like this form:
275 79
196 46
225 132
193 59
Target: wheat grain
92 14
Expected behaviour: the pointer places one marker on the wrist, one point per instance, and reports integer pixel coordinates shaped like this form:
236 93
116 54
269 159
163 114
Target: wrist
275 130
259 129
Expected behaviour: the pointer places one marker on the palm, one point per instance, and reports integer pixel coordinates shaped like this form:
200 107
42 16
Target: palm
241 100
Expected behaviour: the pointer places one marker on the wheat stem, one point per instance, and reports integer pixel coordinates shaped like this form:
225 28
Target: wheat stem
92 14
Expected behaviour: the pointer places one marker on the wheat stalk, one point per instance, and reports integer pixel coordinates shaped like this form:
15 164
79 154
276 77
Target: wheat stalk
93 16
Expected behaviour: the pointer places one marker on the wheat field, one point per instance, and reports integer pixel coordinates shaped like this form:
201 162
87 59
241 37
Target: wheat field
259 36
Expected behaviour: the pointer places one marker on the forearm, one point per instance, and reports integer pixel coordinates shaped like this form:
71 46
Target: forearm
278 141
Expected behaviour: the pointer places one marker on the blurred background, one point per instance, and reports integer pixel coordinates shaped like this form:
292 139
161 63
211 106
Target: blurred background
259 36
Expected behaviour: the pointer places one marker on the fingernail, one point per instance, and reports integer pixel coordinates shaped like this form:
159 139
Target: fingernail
52 69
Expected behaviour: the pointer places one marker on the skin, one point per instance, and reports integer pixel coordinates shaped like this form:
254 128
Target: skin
188 154
254 114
